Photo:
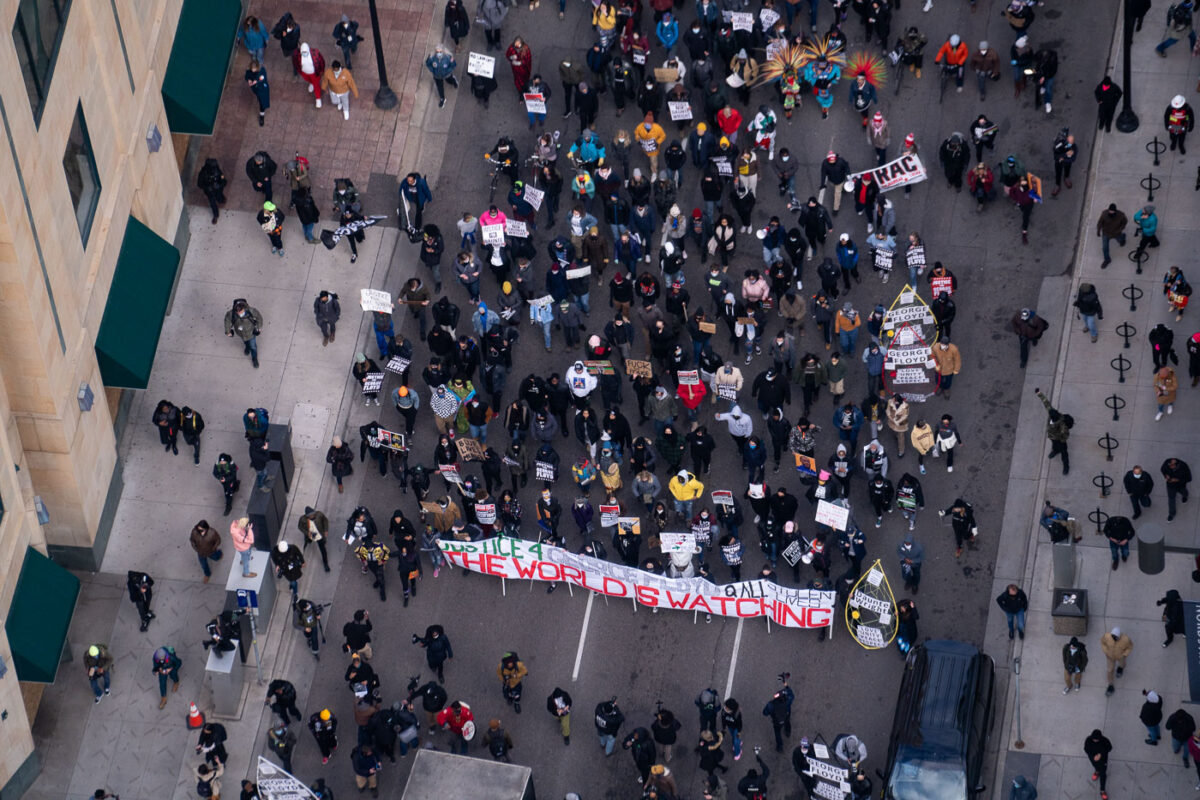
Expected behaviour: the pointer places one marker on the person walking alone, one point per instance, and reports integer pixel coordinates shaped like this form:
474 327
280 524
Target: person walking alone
1116 647
1097 747
1075 660
1014 603
1058 431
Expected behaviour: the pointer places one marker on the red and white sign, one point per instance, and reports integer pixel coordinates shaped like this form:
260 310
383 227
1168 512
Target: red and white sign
503 557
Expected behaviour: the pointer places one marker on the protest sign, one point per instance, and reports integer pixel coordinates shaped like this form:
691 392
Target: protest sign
677 542
707 327
775 47
375 300
493 234
666 74
904 171
397 365
833 515
450 472
575 273
275 783
680 110
688 377
941 283
722 497
599 367
544 300
515 227
545 471
727 391
724 167
831 780
372 382
503 557
485 513
871 610
629 526
534 197
742 20
481 65
806 464
768 17
639 56
636 368
535 103
791 554
388 439
608 515
468 449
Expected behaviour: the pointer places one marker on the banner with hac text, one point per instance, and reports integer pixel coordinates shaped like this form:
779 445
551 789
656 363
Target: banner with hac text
504 557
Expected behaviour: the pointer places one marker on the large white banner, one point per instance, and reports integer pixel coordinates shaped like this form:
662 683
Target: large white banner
503 557
903 171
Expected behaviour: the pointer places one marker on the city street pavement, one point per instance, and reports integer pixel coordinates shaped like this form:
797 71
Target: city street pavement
613 650
1080 383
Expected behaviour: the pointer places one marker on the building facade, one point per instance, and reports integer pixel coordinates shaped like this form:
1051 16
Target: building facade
91 214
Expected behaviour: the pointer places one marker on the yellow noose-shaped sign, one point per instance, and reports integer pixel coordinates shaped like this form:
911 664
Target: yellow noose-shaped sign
871 610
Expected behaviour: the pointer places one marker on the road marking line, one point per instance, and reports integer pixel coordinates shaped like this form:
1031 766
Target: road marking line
737 644
587 615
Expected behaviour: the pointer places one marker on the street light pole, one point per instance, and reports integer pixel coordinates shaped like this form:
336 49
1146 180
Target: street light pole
1127 120
385 98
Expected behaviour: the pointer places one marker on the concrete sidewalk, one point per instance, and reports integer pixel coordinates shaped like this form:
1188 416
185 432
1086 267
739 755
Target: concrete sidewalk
1078 381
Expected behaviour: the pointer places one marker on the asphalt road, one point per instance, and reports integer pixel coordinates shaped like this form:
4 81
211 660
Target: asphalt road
642 657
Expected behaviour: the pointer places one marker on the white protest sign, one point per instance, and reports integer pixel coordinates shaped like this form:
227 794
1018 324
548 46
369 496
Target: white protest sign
485 513
723 497
534 197
609 515
688 377
376 300
742 21
904 171
578 272
677 542
544 300
372 382
493 234
768 17
680 110
791 554
833 515
515 227
479 64
535 103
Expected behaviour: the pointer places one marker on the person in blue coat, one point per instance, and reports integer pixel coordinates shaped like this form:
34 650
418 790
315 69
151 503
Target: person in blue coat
415 191
862 97
254 35
667 31
256 79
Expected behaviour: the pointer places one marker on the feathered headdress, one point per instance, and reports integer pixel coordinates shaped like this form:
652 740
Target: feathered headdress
786 59
815 49
869 66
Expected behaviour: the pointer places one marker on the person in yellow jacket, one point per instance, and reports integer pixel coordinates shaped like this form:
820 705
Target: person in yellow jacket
374 555
949 364
650 136
922 440
338 81
684 488
512 671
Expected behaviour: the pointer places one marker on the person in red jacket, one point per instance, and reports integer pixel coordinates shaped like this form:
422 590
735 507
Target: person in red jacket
310 65
458 719
691 395
729 120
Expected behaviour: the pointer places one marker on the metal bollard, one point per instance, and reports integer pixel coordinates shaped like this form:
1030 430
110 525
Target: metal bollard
1098 517
1122 365
1132 293
1104 484
1127 332
1116 403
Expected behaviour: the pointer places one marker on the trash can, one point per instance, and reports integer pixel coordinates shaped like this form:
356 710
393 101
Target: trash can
1068 612
1151 548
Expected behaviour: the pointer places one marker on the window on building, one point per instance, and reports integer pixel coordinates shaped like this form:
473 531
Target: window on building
37 33
83 181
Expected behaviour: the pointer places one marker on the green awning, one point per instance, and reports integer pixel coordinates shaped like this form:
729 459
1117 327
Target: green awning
199 60
39 617
137 303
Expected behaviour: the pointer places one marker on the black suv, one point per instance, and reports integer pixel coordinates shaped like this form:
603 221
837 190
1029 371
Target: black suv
943 718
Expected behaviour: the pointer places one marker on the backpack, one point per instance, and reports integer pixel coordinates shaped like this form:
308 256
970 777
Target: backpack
1068 420
1181 16
262 414
497 746
204 788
